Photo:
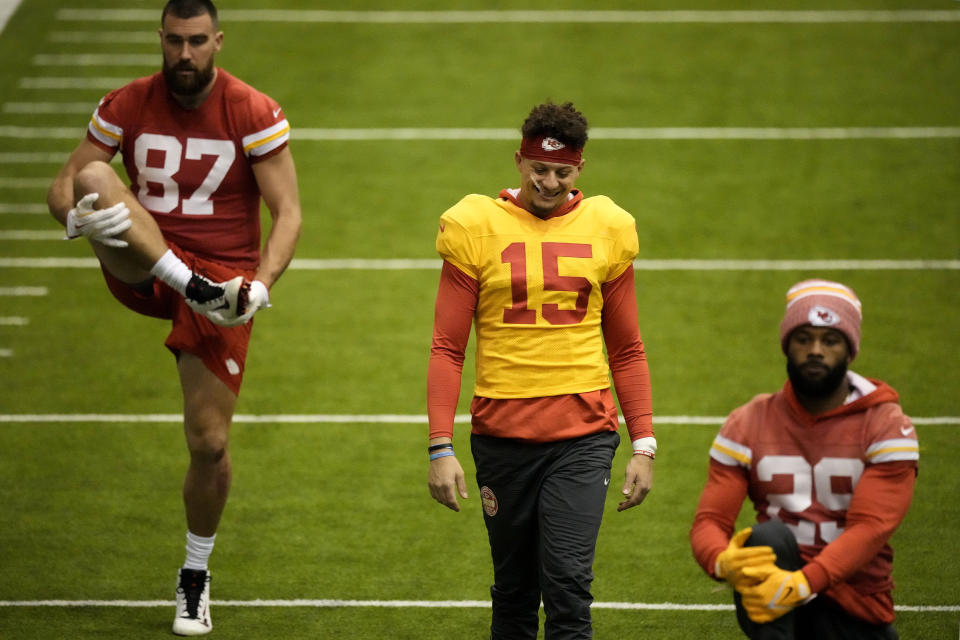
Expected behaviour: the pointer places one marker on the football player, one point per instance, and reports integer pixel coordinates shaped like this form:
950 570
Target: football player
829 462
546 277
182 242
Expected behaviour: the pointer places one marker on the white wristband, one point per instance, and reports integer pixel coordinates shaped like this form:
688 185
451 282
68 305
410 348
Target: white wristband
645 446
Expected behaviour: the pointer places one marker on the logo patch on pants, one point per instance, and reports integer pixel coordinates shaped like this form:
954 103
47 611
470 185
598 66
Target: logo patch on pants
490 504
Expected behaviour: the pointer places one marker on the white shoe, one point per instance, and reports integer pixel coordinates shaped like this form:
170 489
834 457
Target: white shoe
193 603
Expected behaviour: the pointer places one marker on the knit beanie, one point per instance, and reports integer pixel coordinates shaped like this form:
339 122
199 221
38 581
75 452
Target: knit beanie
822 303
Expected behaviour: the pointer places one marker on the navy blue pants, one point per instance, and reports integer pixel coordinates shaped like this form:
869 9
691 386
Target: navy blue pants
543 503
820 618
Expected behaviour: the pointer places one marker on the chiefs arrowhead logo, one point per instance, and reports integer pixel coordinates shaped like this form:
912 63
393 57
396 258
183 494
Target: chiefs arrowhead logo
552 144
822 317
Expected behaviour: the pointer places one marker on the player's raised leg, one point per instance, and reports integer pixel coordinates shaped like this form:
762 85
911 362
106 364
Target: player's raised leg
90 199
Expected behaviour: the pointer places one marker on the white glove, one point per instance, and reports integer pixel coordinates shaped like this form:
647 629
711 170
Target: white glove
100 225
251 297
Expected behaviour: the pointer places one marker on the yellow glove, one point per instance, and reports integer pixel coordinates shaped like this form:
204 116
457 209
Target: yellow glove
776 592
735 558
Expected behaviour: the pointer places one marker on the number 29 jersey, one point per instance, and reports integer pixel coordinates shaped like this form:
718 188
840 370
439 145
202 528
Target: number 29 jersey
192 168
539 310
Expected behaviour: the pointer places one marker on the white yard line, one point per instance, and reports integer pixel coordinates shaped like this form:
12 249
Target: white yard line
50 107
440 134
161 418
35 292
404 604
33 157
73 83
25 183
433 264
7 7
26 208
30 234
96 60
547 17
43 133
14 321
636 133
122 37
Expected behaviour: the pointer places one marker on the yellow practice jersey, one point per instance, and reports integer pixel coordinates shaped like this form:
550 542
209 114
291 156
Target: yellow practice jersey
538 315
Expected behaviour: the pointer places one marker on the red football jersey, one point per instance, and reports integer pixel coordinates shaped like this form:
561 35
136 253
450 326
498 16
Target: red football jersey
192 168
841 481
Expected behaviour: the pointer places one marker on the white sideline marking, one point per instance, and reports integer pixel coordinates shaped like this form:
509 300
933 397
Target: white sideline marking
599 133
14 321
95 60
241 418
402 604
447 17
24 291
305 264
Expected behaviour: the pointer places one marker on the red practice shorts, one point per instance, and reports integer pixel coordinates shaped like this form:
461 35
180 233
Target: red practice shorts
222 349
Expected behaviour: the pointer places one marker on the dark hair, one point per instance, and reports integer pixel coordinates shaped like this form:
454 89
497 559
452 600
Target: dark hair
190 9
562 122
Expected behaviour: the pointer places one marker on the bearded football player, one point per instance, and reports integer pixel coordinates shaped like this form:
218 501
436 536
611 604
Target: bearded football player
830 463
181 241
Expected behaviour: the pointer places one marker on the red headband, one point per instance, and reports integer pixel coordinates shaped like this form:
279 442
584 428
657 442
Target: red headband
549 149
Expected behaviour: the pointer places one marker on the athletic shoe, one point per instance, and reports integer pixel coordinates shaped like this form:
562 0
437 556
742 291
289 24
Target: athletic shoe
203 295
223 303
193 604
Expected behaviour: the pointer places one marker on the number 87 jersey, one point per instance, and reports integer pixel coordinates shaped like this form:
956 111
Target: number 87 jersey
539 310
191 168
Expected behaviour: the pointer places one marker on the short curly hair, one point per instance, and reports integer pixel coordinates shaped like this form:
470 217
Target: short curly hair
562 122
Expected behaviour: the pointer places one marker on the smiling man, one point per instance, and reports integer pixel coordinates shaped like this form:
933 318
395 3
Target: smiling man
830 463
546 275
181 241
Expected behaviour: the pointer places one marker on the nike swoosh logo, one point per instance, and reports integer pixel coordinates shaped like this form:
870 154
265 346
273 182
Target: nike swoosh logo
442 227
906 431
606 481
276 112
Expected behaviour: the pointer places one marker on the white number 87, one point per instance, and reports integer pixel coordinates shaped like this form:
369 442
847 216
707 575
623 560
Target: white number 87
199 202
810 482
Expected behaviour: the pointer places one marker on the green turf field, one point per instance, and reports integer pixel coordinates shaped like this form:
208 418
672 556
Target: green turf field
336 511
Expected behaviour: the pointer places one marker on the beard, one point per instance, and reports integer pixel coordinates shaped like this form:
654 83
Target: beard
816 387
187 86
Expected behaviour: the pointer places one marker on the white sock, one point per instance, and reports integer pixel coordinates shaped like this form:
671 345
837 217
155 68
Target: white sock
173 271
198 551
